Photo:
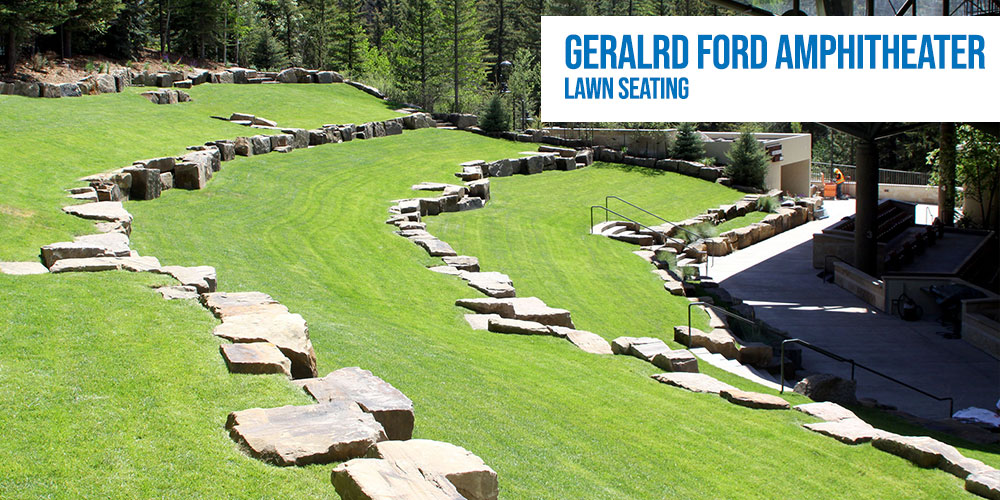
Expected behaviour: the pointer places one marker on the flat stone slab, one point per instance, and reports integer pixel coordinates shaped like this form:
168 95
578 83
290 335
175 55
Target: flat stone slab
717 341
480 321
388 405
646 348
95 264
178 292
985 484
111 211
431 186
375 479
22 268
508 325
754 400
287 331
91 245
676 361
471 476
586 341
255 358
462 262
225 304
301 435
435 247
826 410
523 308
493 284
446 270
847 430
200 277
694 382
921 450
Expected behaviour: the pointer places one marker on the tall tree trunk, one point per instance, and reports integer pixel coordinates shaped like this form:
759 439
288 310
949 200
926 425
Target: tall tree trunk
67 48
946 172
454 52
10 50
163 38
166 28
500 34
225 37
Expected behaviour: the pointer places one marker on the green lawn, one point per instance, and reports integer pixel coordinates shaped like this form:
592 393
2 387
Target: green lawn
109 391
46 144
746 220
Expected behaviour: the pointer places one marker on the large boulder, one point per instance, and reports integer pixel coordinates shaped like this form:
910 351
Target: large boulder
255 358
145 183
435 247
111 211
754 400
586 341
646 348
22 268
499 168
94 264
676 361
985 484
374 479
70 90
516 326
718 341
91 245
826 387
189 175
203 278
27 89
694 382
49 90
226 304
471 476
523 308
479 188
388 405
106 84
287 331
301 435
826 410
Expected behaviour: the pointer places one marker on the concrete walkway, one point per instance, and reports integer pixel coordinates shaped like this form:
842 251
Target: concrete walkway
777 278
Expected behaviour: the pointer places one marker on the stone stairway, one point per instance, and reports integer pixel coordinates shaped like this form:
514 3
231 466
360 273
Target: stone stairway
736 368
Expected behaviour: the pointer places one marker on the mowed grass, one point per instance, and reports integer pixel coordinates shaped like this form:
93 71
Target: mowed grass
555 422
47 144
746 220
108 391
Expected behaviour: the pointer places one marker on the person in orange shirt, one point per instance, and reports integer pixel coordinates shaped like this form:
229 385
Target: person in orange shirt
838 177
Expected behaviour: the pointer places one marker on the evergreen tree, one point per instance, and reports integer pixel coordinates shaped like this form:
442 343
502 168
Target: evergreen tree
688 145
417 55
747 161
464 47
349 34
529 25
22 20
495 119
87 16
318 16
524 82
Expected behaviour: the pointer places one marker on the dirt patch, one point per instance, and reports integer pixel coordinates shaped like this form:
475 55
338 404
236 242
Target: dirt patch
49 68
16 212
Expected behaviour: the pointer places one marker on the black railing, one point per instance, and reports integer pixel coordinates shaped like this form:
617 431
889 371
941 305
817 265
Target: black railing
607 210
633 205
854 366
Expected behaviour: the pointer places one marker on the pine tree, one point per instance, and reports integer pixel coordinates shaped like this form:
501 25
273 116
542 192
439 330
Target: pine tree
416 53
319 17
465 47
688 145
348 34
495 118
23 20
747 161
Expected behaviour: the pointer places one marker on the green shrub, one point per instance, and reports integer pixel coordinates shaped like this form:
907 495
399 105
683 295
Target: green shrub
767 204
747 161
688 145
495 119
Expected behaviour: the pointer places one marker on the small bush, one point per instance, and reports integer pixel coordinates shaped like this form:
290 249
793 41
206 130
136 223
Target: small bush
89 67
767 204
688 145
697 232
495 119
747 161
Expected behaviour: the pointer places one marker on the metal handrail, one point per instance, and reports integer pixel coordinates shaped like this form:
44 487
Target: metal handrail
633 205
855 364
663 237
717 309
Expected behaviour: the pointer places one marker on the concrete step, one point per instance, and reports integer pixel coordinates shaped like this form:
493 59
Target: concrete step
633 237
732 366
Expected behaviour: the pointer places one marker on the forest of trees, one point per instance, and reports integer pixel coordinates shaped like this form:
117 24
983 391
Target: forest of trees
442 55
439 54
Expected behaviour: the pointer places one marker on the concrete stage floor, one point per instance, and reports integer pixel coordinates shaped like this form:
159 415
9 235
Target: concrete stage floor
777 278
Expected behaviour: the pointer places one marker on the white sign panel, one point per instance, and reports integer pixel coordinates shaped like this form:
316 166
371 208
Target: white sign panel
772 69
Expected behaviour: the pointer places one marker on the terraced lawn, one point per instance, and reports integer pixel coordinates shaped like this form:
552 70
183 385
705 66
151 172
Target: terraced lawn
47 144
109 391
